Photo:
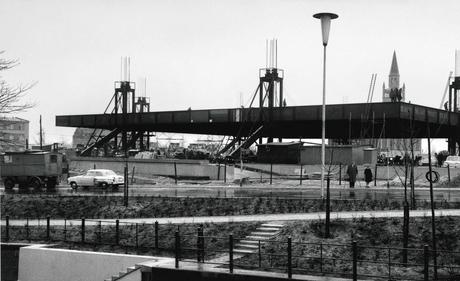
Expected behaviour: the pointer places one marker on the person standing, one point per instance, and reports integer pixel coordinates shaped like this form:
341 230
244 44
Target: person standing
367 175
352 171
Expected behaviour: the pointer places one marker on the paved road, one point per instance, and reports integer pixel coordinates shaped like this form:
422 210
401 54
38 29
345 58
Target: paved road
309 190
251 218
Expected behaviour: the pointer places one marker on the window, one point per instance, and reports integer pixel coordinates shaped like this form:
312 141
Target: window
53 158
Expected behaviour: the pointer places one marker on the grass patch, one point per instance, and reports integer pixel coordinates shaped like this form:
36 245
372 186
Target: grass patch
151 207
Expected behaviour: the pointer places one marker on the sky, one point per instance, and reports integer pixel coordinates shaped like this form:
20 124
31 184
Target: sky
206 53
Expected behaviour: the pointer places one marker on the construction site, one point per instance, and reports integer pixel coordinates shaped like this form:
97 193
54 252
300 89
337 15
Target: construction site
271 189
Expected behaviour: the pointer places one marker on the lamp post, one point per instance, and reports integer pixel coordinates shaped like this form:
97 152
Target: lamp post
325 27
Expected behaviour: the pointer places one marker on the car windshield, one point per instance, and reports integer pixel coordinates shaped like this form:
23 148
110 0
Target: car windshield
109 173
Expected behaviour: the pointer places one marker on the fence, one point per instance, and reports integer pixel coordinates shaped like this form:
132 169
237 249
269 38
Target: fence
351 260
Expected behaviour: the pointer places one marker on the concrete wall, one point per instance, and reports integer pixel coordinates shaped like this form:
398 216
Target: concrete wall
45 264
151 167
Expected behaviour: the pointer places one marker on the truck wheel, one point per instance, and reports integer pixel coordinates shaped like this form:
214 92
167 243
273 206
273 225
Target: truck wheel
36 183
9 183
104 185
74 185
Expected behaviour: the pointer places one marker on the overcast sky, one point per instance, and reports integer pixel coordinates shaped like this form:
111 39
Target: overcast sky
204 53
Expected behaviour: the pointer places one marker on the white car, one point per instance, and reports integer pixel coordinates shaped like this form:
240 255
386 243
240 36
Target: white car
99 177
452 161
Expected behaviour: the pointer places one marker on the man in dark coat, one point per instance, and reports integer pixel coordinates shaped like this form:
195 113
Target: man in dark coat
352 171
367 175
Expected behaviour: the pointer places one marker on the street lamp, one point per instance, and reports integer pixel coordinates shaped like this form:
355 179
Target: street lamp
325 27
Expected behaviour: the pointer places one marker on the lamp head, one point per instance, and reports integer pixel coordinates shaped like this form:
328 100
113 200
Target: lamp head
325 24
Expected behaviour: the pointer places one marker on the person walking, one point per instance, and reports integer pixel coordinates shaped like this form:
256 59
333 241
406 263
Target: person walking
352 171
367 175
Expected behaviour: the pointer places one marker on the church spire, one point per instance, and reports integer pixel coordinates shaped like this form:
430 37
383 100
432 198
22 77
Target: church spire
394 65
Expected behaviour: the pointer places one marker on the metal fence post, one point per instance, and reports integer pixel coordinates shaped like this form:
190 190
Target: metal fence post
271 173
448 173
260 256
354 248
375 175
100 233
65 230
230 252
175 172
301 173
177 249
82 230
289 257
27 230
426 263
218 171
117 232
198 245
156 235
340 173
7 228
48 228
137 236
389 263
225 171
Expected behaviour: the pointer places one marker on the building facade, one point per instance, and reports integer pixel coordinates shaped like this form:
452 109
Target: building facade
81 136
14 134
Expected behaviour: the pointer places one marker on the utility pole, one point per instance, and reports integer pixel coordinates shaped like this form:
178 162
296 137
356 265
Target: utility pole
41 133
433 224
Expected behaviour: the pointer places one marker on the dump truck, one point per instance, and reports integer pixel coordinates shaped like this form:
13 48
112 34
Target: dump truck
35 169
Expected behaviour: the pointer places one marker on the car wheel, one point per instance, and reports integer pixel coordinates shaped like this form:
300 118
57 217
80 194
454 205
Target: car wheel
9 184
74 185
104 185
115 186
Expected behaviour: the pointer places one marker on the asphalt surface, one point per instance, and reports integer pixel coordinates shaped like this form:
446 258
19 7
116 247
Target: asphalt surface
308 190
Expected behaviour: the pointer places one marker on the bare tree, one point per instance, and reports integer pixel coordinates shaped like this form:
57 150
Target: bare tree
11 96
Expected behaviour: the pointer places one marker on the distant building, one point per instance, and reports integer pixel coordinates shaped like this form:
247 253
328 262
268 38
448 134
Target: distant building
14 134
82 135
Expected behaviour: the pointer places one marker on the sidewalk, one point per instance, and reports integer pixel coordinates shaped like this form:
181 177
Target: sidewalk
249 218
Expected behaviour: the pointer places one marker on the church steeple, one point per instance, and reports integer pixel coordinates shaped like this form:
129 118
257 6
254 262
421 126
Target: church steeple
393 82
394 65
393 78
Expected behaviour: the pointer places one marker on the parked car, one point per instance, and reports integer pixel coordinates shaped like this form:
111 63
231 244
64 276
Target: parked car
452 161
100 177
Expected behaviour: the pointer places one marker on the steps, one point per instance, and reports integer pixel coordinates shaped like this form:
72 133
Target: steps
123 273
250 244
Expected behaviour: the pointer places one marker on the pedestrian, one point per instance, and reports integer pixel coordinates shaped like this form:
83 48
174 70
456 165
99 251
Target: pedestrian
367 175
352 171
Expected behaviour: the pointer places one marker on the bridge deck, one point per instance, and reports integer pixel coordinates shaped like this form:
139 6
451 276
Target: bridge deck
385 120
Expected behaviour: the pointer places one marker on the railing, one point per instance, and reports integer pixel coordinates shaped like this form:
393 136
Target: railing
288 257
